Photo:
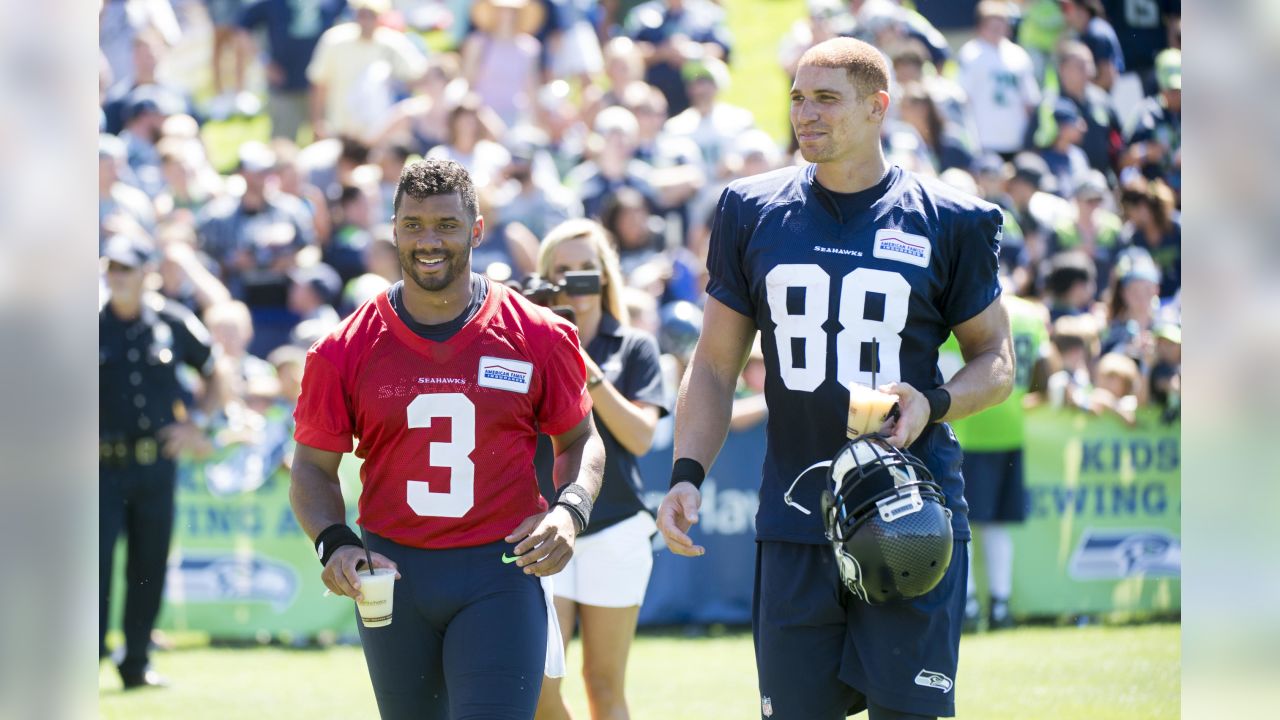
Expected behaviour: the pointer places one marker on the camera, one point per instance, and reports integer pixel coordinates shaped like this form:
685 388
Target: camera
543 292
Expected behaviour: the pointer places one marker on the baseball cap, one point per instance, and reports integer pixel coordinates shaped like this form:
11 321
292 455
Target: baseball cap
1093 186
1169 331
112 147
1032 169
989 164
707 68
1065 112
1169 69
322 278
127 250
256 157
1136 264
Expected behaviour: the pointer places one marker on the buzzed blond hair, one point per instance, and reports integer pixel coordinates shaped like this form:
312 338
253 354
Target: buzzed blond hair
867 68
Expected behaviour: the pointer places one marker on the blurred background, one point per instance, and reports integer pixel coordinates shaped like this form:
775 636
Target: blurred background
252 145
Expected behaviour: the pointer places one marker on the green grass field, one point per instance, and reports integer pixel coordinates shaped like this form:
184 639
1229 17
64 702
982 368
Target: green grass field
1100 673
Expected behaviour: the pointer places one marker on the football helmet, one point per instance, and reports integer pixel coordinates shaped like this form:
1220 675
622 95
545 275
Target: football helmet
887 521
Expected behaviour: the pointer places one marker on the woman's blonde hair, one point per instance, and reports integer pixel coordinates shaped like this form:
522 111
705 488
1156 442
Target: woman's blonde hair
610 274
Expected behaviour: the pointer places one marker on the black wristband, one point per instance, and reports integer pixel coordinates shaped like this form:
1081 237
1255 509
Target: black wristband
687 470
575 498
939 403
334 537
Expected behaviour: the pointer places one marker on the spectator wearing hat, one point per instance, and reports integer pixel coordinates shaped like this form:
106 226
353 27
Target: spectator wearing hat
292 31
148 49
500 58
356 72
999 79
145 423
1092 227
1036 210
313 291
531 197
1103 140
1155 145
1153 224
144 115
256 236
1165 379
121 205
1131 310
711 124
669 33
1064 156
1088 20
614 165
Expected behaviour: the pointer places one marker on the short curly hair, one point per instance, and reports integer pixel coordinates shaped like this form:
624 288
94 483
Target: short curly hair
437 177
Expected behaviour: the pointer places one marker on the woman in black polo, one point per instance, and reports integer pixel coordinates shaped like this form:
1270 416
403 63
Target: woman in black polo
603 585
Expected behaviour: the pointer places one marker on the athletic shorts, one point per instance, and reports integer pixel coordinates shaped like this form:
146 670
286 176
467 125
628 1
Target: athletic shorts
610 568
994 488
467 639
822 654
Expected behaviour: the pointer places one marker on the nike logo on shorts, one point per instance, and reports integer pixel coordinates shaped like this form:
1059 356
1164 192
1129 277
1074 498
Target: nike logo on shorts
509 559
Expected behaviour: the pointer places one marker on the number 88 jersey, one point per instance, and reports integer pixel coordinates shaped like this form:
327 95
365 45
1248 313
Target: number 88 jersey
827 278
447 430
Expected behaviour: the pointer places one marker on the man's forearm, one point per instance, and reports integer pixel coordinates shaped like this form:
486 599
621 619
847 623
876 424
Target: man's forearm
985 380
316 498
582 462
703 410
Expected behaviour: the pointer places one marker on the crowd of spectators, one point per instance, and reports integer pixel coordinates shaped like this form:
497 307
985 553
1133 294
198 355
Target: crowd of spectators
1067 114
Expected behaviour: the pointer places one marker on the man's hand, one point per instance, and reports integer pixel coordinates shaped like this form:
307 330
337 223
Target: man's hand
913 415
678 513
546 542
340 574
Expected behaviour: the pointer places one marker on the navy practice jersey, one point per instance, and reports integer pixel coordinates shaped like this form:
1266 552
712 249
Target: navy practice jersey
824 276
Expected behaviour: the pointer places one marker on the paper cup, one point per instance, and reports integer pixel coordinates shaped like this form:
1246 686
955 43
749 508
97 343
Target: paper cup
868 409
379 592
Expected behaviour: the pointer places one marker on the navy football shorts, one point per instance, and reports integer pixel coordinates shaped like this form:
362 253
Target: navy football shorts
822 654
993 486
467 639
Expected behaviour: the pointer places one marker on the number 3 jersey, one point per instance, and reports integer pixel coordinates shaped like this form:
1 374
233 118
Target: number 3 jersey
827 279
447 430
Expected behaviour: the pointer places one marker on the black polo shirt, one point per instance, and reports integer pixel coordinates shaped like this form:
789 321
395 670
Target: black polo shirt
629 359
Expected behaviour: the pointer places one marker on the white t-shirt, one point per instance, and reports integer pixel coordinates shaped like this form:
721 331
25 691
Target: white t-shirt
713 133
358 75
1001 84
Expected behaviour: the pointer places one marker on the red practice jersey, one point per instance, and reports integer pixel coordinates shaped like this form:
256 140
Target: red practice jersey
447 430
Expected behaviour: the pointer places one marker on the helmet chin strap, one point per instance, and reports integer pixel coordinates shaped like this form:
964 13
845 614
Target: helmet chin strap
786 497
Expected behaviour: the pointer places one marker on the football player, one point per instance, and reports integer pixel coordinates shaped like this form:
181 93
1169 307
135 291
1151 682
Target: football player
446 379
829 261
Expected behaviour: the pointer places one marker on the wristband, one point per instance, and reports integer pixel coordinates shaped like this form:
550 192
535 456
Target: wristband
594 381
939 403
333 537
688 470
575 498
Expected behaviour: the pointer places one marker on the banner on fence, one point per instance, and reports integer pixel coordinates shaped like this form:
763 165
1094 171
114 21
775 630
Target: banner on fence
1102 534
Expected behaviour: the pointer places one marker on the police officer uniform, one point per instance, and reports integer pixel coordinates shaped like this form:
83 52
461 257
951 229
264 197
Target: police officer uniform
139 394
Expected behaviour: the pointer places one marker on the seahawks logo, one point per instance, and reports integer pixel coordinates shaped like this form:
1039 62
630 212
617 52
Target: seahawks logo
936 680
